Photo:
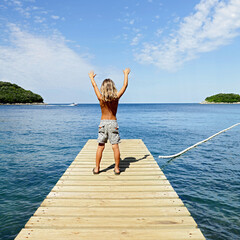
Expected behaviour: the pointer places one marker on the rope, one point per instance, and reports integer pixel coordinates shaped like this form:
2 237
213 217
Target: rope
196 144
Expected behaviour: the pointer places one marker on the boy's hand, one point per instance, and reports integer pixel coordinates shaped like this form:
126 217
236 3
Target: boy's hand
127 71
125 83
91 74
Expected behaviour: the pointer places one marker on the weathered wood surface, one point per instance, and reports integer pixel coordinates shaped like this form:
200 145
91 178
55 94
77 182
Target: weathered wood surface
138 204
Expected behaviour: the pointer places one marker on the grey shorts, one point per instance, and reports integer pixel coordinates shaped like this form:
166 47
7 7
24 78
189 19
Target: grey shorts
108 129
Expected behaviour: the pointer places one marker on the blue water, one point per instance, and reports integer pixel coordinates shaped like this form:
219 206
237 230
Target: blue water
37 144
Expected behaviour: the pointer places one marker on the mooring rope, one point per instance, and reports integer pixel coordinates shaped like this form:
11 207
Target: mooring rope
196 144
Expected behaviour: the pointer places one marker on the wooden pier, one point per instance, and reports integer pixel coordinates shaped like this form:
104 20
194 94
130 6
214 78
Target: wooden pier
138 204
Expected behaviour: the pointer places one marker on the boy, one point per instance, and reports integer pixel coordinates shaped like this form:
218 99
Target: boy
108 128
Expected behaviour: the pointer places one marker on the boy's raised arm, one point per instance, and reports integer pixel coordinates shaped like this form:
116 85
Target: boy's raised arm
92 76
125 84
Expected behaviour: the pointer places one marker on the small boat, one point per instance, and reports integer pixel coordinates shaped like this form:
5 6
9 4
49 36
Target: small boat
73 104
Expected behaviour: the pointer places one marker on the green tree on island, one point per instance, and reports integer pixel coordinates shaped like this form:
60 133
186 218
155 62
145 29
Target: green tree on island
224 98
12 93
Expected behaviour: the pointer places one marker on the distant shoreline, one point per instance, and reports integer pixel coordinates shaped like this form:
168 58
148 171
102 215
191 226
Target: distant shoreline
23 104
206 102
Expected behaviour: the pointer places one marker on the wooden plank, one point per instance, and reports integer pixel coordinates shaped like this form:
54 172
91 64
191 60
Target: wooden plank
107 172
112 177
110 166
104 165
118 195
124 156
133 149
110 159
133 169
145 202
109 222
110 172
77 188
89 188
135 157
113 183
112 211
140 203
111 234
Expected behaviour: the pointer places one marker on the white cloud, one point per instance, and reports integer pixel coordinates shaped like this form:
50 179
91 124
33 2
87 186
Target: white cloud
3 6
19 7
44 64
176 19
136 30
131 22
136 39
16 2
159 32
28 10
55 17
125 36
213 24
35 8
44 12
38 19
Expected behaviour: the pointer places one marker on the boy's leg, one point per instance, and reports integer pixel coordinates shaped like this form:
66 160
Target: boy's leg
116 152
99 152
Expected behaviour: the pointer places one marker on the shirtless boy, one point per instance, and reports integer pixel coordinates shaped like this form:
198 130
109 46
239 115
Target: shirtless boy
108 97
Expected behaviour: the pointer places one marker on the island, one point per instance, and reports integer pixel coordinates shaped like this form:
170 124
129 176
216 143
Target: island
14 94
222 98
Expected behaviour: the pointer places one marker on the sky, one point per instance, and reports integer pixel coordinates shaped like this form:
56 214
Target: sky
178 51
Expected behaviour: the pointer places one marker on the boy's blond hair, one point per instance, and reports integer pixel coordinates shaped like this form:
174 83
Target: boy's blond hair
108 90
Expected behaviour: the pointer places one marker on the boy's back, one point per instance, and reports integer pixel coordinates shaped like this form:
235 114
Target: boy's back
109 109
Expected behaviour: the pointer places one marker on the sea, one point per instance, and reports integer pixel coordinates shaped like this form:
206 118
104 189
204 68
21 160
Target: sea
39 142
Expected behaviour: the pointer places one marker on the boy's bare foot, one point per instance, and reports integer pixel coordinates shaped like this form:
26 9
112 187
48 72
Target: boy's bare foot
117 171
96 170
